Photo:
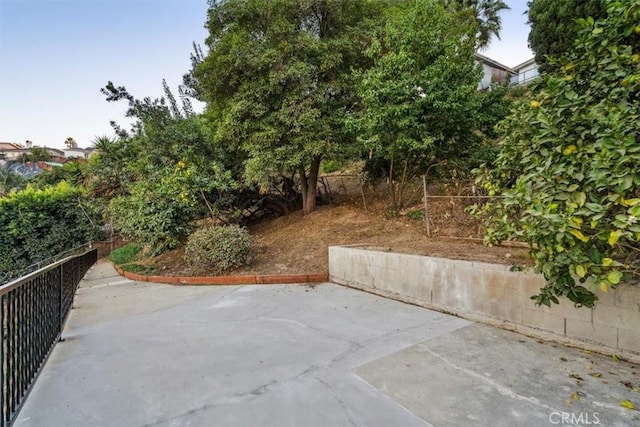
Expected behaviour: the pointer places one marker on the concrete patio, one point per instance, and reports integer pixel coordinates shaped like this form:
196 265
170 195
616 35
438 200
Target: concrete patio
143 354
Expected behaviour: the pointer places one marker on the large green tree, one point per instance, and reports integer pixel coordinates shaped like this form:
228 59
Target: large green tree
569 161
554 28
420 97
278 80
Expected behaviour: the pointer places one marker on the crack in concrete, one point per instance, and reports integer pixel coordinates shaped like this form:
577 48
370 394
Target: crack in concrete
505 391
320 331
353 419
242 397
385 396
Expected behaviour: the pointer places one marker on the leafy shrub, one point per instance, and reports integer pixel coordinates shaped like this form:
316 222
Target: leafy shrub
125 254
158 213
218 248
569 161
38 224
415 214
329 166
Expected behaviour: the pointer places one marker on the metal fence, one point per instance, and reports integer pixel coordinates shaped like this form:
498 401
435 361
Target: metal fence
7 276
448 216
33 310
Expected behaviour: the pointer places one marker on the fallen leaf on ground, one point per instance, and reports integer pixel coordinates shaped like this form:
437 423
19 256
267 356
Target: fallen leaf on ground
628 404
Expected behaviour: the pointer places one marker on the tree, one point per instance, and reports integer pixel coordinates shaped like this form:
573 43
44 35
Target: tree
38 154
487 14
554 28
72 172
163 173
70 143
109 170
420 98
277 79
569 161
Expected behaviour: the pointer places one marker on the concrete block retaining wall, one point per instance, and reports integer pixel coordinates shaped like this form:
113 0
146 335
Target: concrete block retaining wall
494 294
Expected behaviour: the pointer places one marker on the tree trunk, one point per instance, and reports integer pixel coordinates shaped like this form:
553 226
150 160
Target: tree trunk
309 190
403 183
303 182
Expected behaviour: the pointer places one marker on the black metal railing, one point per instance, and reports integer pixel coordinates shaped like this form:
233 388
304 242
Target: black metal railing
8 276
33 310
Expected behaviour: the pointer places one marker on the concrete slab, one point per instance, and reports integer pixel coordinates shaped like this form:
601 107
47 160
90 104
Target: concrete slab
484 376
142 354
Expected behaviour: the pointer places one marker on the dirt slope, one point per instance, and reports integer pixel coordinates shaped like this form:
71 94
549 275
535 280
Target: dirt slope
298 244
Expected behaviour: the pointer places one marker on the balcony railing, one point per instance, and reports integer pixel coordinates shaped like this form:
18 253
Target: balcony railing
33 310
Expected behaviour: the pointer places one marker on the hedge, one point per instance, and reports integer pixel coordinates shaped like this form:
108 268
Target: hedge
38 224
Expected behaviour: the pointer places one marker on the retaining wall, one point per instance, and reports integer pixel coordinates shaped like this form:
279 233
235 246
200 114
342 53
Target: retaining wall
493 294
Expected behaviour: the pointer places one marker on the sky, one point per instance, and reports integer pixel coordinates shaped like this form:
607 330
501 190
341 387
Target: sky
55 55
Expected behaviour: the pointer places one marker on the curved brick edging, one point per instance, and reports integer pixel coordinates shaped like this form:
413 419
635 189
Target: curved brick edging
258 279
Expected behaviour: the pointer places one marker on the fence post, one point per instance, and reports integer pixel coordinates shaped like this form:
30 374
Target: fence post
3 414
60 310
426 204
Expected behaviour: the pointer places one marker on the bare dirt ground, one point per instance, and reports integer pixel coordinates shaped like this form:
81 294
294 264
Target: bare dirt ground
298 244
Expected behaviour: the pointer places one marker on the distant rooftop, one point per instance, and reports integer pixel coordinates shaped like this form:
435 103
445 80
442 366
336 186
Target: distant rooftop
494 63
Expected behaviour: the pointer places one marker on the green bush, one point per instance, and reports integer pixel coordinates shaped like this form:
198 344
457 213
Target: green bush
415 214
329 166
158 213
38 224
569 161
125 254
218 248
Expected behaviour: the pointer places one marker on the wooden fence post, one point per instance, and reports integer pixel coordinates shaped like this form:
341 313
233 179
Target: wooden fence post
426 204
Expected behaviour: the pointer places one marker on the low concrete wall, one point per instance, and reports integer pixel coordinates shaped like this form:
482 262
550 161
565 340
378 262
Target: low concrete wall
494 294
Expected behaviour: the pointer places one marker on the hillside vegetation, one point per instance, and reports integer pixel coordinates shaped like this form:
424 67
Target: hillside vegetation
294 87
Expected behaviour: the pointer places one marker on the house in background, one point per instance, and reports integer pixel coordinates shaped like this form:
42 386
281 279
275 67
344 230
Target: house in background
526 71
77 153
74 152
10 151
495 72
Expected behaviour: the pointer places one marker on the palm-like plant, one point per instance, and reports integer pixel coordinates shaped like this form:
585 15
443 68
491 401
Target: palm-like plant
103 143
9 181
487 13
107 173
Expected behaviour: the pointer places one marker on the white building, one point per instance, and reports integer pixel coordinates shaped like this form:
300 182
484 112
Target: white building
526 71
493 72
